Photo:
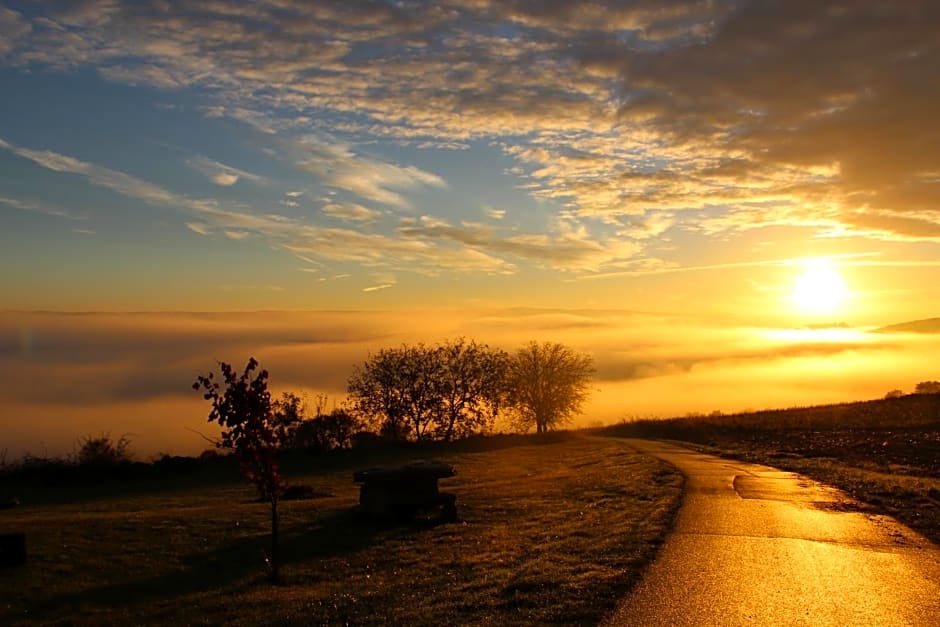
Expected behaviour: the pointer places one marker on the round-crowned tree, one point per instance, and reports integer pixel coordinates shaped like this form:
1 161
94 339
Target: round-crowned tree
547 385
421 392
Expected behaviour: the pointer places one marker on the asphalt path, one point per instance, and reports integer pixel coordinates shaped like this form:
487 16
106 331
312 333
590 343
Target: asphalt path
755 545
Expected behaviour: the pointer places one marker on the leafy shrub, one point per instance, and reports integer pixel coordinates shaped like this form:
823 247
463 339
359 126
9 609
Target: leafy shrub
101 450
327 432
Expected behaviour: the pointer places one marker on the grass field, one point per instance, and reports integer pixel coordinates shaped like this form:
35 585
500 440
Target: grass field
885 453
548 533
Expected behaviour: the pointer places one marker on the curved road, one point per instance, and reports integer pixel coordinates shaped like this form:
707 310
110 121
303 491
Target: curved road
754 545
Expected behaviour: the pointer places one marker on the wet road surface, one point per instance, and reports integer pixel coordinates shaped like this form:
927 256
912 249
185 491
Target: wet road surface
754 545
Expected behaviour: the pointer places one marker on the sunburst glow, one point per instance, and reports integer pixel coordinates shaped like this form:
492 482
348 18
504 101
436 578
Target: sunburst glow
819 288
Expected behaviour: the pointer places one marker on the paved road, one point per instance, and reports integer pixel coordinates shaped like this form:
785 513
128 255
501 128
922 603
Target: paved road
754 545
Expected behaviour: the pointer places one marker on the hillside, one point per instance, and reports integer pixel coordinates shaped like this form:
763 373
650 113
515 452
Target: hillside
929 325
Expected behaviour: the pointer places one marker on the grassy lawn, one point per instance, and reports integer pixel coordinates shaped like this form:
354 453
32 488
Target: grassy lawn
884 453
548 533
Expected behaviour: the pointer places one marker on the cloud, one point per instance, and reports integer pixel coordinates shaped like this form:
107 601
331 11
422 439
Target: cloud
494 213
248 287
568 247
366 177
37 207
663 118
145 74
238 222
201 229
895 226
376 288
13 27
383 251
650 225
225 179
349 211
220 173
101 176
855 92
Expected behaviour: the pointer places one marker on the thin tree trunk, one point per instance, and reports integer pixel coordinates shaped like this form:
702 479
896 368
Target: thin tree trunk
275 575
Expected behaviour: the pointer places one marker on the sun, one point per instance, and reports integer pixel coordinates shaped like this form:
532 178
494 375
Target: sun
819 288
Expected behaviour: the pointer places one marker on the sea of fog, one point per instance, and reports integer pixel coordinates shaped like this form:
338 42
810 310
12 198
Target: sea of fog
69 375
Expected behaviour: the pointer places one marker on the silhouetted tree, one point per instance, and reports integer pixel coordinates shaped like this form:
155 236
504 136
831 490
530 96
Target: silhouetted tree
927 387
894 394
547 385
393 386
289 413
469 387
420 392
241 405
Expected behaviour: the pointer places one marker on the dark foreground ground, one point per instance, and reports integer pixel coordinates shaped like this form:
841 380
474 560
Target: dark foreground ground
885 453
551 531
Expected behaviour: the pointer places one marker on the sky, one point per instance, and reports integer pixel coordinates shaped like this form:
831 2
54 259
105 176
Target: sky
694 192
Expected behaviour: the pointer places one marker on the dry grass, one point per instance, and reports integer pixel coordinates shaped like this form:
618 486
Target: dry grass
551 533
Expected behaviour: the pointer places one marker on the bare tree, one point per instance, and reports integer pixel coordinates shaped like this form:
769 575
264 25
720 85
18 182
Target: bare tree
547 385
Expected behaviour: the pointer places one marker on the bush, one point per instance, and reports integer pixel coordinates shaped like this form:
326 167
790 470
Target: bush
327 432
103 451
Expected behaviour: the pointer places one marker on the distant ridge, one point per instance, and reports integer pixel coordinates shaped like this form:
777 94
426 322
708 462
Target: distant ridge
930 325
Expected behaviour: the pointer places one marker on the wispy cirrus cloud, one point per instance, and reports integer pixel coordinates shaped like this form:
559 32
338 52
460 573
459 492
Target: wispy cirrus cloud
379 181
568 245
426 245
39 207
101 176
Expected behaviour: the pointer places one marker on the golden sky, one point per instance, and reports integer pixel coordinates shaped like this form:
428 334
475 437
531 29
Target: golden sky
733 166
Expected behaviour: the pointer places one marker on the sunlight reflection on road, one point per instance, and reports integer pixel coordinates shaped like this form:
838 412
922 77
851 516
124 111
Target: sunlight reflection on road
756 546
